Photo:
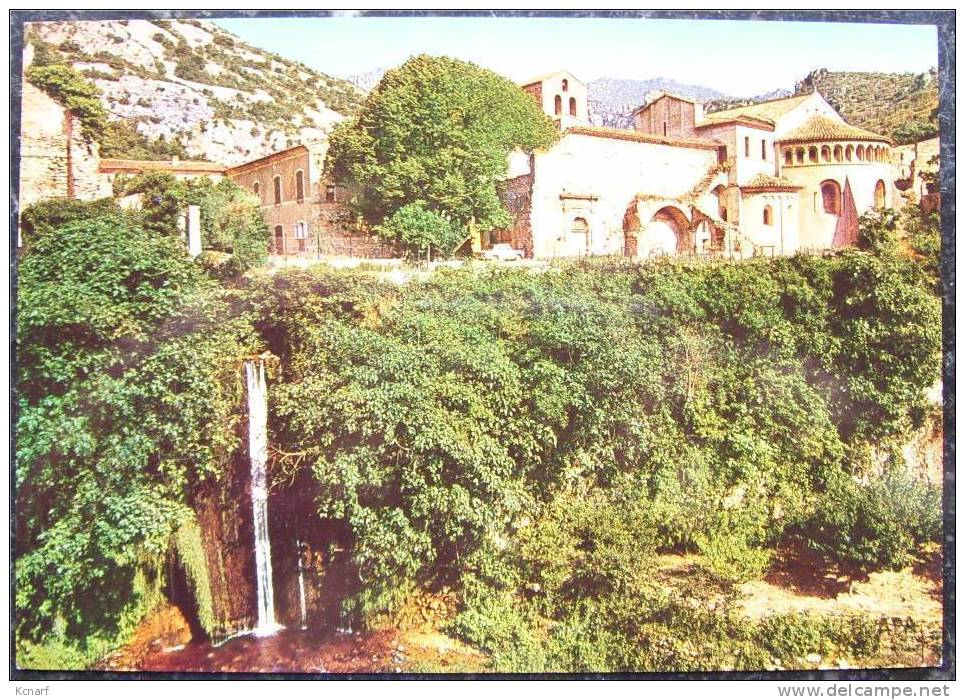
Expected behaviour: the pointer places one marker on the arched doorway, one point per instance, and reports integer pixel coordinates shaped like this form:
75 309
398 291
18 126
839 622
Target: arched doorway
580 236
880 194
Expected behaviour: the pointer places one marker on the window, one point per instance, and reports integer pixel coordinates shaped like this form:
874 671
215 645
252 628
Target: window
800 156
880 194
257 188
277 189
849 153
826 154
572 106
788 157
831 197
838 154
747 146
330 194
813 154
763 149
558 105
279 240
301 230
768 215
300 185
722 154
859 153
566 85
665 128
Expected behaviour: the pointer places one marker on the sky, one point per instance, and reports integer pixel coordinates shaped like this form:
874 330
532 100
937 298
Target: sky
739 58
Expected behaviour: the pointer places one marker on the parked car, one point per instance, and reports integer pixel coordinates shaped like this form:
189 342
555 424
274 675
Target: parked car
503 252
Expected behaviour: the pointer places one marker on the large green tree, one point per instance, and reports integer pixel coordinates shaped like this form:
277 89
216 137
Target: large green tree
437 132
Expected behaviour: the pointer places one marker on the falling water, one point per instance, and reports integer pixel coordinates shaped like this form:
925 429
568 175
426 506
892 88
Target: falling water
258 452
301 585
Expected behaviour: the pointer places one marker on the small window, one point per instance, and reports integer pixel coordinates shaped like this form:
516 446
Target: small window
826 154
277 189
279 240
301 230
558 105
813 154
788 157
722 154
330 194
763 149
257 188
566 85
768 216
665 128
747 146
800 155
572 106
300 185
838 154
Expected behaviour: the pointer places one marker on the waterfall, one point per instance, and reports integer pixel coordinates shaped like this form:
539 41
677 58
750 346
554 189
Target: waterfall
258 453
301 585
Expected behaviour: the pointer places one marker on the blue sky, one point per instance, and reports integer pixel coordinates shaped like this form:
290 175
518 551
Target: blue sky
735 57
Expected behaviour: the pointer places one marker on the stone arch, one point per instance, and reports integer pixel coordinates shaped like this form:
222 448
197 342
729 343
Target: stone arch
579 231
880 194
667 232
720 192
558 105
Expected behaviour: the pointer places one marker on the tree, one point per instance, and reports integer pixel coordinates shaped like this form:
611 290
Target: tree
437 132
414 225
77 95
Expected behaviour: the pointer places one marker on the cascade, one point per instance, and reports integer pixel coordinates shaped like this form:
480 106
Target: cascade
258 452
301 585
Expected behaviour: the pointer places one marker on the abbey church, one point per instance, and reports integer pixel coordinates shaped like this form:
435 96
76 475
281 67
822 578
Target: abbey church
772 178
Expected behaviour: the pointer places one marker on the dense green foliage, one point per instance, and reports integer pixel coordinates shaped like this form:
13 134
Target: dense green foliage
420 229
233 231
77 95
436 133
127 398
736 404
534 441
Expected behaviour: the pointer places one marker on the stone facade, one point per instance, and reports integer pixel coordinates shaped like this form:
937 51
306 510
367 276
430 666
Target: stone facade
767 179
55 159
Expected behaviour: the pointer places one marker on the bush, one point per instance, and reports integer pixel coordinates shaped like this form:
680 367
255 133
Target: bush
77 95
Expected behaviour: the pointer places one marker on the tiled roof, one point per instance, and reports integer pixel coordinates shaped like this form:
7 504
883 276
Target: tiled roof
277 155
755 122
771 111
172 166
770 182
821 128
547 76
639 136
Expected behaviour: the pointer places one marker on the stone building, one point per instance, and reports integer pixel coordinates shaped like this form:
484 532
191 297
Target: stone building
55 159
110 168
306 214
767 179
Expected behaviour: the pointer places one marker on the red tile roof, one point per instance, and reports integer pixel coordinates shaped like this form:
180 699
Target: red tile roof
821 128
108 165
763 183
639 136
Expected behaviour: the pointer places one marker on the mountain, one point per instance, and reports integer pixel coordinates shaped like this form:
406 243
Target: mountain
903 106
368 80
730 102
612 101
192 84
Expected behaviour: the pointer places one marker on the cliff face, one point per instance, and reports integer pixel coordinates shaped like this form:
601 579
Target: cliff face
190 81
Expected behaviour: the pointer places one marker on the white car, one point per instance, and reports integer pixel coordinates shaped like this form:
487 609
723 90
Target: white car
503 252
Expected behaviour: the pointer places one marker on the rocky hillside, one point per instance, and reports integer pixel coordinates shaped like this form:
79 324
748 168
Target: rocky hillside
612 101
191 83
901 105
